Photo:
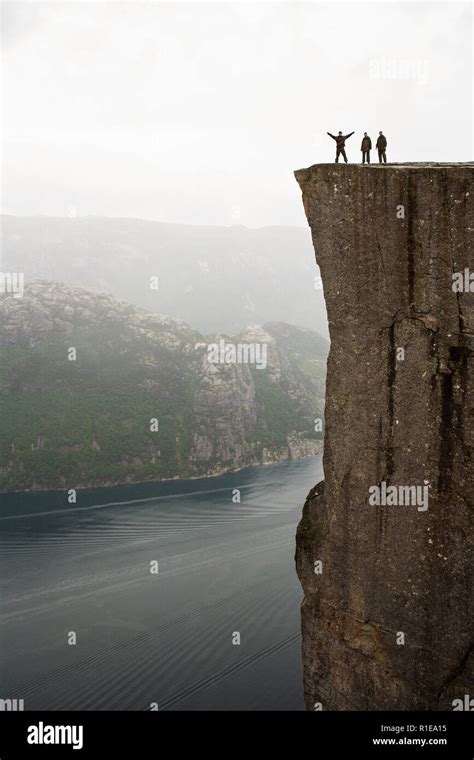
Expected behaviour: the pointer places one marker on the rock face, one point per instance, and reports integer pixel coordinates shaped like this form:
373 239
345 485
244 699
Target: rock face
387 616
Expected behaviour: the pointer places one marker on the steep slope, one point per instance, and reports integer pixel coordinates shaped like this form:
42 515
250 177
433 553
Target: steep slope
387 617
82 377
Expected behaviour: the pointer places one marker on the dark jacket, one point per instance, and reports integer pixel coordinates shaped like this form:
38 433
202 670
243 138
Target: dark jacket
340 139
366 144
381 142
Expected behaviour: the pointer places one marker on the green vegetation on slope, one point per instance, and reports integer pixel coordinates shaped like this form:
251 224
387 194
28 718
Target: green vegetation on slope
87 422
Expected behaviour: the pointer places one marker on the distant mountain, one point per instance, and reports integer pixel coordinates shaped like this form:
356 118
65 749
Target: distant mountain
215 278
83 377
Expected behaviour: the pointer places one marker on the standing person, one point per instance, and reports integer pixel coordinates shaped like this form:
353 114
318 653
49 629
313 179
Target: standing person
382 147
340 143
366 147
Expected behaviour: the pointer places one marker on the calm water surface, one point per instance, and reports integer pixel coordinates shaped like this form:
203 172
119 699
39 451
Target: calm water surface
165 638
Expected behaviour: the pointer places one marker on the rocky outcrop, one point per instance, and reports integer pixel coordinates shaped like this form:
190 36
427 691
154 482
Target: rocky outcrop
387 610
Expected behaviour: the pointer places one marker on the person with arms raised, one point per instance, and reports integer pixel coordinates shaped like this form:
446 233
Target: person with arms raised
340 145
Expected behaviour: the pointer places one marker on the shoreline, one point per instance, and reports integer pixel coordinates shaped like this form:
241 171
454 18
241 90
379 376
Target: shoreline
132 483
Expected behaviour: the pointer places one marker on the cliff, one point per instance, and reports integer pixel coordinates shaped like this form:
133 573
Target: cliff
387 610
87 421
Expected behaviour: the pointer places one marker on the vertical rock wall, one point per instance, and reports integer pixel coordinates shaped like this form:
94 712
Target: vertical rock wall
387 615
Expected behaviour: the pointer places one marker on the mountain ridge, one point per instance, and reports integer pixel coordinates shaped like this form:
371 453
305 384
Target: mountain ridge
215 278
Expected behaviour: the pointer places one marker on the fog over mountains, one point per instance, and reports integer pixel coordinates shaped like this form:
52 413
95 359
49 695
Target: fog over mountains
217 279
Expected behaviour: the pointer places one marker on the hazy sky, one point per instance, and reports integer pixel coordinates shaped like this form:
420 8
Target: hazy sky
199 112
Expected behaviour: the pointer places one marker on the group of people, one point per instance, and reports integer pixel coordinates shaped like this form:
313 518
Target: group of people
365 147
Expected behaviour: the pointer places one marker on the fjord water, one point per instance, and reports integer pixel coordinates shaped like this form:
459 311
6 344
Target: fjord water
165 638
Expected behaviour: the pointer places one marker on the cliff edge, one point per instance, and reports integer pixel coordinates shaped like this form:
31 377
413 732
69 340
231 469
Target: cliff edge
384 544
